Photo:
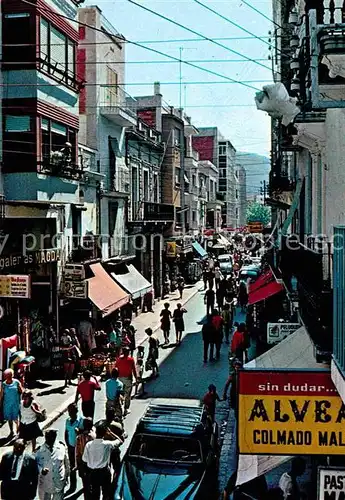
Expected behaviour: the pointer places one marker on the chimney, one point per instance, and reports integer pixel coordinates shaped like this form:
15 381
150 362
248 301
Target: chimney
157 88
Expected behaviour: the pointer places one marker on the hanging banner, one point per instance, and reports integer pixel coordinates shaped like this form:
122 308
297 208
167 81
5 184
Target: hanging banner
279 331
290 412
331 483
74 284
15 286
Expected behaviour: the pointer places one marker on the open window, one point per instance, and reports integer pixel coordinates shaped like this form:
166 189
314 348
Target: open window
18 38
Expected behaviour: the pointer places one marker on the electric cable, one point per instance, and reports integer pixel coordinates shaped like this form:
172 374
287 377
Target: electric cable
262 14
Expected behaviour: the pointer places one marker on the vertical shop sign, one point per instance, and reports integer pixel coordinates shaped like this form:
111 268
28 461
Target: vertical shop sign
75 286
331 483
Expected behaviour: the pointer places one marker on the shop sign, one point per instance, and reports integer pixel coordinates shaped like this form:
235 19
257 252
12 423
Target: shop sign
75 286
40 257
292 412
171 249
331 483
15 286
278 331
255 227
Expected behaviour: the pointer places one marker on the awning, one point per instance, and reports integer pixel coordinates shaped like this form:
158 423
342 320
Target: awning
265 292
199 249
104 292
263 280
296 351
133 282
223 241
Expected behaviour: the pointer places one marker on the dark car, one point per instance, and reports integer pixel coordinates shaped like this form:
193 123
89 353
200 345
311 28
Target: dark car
173 455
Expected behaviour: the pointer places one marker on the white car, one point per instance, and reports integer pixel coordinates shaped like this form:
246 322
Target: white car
225 264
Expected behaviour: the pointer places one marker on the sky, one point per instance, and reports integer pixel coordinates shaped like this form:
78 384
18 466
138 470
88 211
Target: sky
229 106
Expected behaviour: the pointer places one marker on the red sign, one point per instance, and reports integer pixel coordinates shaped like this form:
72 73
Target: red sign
148 116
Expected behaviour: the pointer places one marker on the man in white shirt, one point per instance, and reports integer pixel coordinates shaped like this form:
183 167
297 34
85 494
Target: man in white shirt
53 466
288 481
97 454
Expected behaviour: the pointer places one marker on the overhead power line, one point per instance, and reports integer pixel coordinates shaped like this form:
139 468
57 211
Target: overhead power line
34 63
130 84
199 34
261 13
150 49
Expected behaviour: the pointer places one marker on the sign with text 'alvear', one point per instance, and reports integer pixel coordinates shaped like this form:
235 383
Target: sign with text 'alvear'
290 413
331 483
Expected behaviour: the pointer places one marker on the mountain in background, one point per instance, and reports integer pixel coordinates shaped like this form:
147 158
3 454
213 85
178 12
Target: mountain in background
257 169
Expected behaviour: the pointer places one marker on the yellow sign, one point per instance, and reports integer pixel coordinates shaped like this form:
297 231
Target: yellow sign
15 286
255 227
171 249
290 413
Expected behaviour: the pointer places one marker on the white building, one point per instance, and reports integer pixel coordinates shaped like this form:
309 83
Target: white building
105 112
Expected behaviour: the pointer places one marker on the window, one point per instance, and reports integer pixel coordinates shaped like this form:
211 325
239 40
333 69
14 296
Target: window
156 188
146 186
222 184
236 213
177 137
194 180
222 150
54 137
236 194
112 88
57 53
194 216
17 123
18 38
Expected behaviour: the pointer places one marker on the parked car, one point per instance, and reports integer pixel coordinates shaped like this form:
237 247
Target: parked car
251 271
173 454
225 263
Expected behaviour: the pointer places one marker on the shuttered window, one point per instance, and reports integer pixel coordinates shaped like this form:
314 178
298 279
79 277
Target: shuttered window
17 123
112 89
44 40
58 51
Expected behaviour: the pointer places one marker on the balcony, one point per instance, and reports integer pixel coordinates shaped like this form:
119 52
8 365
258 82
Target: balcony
60 167
158 212
117 106
84 248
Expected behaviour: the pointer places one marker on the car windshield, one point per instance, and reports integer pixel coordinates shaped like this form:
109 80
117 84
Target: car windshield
224 258
172 449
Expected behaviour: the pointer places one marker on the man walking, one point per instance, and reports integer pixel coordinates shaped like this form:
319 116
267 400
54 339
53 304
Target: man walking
18 473
209 300
86 390
114 393
208 334
97 454
53 467
127 371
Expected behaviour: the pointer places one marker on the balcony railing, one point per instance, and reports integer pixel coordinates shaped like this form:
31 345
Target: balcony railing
159 212
330 11
116 104
279 183
60 168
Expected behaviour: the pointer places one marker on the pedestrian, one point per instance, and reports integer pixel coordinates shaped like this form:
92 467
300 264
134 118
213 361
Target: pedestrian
86 390
288 481
72 427
207 336
139 366
227 321
87 337
179 323
53 467
10 398
114 393
29 430
97 455
83 438
243 296
115 338
148 302
180 285
238 342
233 381
209 401
220 295
210 277
165 322
18 474
152 356
209 300
126 367
217 276
217 322
69 356
130 332
205 278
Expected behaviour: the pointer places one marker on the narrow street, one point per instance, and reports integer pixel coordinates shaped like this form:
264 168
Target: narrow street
184 376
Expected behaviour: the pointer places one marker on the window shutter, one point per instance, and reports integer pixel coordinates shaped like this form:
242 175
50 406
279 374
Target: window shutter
17 123
44 40
58 50
71 61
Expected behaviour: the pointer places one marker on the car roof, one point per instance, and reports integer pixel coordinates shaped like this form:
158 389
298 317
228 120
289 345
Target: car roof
171 420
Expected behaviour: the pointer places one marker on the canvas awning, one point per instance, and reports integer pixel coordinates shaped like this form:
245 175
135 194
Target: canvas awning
107 295
199 249
296 351
133 282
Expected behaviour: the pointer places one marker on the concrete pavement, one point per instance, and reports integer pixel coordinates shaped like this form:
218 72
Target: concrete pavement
55 398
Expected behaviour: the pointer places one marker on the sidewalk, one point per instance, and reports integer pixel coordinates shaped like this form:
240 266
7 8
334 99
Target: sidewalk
55 398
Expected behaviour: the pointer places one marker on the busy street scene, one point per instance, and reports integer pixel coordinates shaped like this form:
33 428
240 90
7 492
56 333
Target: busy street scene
172 250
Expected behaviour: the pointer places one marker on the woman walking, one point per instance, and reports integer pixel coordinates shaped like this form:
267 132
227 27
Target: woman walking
165 322
179 323
243 296
151 362
69 356
10 396
29 430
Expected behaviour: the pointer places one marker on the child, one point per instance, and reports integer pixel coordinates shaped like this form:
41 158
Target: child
209 401
140 371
